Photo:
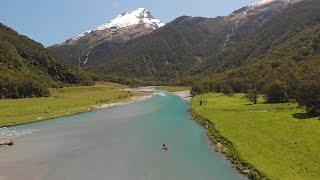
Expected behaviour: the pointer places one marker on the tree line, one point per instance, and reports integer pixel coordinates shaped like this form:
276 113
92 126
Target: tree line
305 92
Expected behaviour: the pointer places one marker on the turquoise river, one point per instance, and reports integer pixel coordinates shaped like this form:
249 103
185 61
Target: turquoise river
119 143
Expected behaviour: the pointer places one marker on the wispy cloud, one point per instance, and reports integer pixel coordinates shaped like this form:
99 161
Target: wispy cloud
115 4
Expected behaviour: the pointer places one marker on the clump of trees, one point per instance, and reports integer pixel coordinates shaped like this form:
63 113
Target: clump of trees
276 92
201 87
14 86
308 95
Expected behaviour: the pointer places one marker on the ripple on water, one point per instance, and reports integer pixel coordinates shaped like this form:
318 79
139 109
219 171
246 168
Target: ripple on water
15 133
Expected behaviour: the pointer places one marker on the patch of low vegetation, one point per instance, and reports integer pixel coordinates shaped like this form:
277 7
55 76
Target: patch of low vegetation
62 102
279 139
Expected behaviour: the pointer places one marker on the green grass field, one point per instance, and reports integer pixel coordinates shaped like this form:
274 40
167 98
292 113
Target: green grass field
266 135
175 88
62 102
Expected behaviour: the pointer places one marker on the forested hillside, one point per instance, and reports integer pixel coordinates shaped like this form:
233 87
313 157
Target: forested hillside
286 48
27 69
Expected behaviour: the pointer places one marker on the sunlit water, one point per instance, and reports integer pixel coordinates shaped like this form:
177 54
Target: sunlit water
120 143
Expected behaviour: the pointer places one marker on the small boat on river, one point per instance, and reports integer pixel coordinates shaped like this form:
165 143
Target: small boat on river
6 142
165 147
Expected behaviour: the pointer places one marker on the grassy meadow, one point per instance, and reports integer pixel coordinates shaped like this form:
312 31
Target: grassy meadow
277 139
62 102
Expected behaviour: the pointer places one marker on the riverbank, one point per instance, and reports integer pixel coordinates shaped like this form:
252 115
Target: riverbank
135 99
263 139
224 146
185 95
65 102
173 89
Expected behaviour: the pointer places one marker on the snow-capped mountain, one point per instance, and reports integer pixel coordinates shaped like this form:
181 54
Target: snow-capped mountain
125 26
264 2
136 17
267 2
261 7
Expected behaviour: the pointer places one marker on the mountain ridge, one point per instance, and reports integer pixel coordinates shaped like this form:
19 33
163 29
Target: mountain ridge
122 28
184 47
126 20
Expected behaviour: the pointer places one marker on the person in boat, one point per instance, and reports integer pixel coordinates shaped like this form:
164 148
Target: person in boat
165 147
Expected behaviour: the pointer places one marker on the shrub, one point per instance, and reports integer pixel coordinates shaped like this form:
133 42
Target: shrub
252 95
276 92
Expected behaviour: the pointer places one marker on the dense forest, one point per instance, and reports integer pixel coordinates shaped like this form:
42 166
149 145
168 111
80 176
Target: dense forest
27 69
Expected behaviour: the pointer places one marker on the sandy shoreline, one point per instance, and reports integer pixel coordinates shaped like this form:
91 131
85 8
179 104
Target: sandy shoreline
134 99
148 92
185 95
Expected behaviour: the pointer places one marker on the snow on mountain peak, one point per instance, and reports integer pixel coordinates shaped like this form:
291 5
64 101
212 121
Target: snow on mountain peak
266 2
126 20
262 3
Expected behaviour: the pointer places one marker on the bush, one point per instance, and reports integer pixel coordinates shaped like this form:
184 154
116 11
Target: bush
276 92
309 96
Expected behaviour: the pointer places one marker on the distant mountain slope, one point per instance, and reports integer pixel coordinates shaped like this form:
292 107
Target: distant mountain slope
279 29
294 61
28 69
287 48
120 29
189 46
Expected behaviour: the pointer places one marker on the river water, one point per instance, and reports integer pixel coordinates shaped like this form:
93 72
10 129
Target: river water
119 143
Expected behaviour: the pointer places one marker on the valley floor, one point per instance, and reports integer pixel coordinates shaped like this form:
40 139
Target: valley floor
62 102
277 139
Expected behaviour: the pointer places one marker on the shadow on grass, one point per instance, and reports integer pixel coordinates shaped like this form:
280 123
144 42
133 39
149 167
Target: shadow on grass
303 116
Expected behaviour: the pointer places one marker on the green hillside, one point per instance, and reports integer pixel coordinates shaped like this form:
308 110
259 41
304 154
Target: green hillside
27 69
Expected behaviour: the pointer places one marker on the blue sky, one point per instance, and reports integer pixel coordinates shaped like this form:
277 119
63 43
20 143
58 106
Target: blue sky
54 21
